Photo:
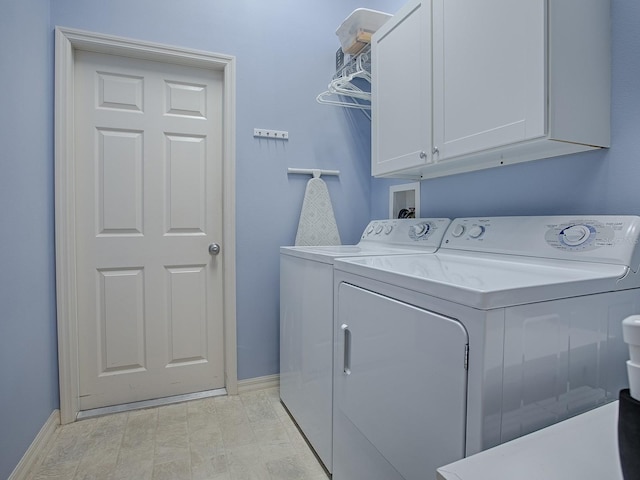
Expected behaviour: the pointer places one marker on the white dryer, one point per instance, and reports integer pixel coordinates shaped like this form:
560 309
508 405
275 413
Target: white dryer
513 325
306 317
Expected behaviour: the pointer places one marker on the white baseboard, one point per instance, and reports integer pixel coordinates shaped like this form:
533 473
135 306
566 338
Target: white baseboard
37 449
258 383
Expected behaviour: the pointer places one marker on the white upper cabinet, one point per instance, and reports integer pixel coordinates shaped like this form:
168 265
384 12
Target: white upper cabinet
461 85
488 74
401 91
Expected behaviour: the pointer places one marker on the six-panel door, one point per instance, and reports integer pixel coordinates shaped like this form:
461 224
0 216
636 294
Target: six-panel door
148 158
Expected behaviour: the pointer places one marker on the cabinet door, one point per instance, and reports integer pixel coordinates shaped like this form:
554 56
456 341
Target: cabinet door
489 85
401 90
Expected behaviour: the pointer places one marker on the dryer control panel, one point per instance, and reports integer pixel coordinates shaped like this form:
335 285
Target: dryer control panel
602 238
407 231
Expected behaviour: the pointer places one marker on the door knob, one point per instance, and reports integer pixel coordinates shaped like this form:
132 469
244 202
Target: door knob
214 249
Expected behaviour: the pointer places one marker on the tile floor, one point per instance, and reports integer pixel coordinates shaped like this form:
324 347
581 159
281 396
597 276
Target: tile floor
249 436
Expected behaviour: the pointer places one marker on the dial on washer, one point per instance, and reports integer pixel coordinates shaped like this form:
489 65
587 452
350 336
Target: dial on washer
575 235
421 229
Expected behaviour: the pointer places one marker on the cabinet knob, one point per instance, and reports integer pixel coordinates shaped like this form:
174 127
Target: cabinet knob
435 150
423 154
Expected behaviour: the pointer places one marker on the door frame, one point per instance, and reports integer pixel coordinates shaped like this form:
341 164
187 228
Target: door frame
67 42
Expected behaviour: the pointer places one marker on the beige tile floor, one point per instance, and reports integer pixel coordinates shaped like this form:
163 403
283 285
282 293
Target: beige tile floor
249 436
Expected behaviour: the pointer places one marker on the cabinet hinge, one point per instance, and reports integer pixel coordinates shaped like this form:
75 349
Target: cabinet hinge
466 357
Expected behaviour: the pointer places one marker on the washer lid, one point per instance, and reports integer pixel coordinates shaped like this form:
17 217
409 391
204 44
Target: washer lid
327 254
488 281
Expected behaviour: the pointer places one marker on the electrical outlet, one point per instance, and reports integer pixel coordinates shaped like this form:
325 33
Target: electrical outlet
275 134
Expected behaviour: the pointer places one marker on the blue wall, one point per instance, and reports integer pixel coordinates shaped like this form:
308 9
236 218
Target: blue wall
285 54
28 359
601 182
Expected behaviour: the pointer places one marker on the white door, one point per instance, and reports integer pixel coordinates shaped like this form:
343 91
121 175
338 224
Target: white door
489 74
148 204
401 90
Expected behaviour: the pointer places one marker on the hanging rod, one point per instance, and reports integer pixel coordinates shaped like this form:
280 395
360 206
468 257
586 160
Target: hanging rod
313 171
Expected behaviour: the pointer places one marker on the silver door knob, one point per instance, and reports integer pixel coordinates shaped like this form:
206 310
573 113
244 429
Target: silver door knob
214 249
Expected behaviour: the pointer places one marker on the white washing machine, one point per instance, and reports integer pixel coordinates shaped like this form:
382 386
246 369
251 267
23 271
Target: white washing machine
306 317
513 325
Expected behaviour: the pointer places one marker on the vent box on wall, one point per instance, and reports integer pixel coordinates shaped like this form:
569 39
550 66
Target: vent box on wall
404 200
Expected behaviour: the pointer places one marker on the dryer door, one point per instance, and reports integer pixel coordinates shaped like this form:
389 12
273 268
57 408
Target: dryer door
399 389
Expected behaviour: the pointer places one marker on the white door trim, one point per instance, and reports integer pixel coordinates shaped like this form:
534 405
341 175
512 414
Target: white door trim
68 41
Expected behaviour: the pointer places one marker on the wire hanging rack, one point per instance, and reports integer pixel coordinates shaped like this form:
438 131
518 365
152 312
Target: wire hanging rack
342 91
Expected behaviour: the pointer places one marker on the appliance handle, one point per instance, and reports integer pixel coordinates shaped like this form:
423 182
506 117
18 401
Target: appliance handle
347 349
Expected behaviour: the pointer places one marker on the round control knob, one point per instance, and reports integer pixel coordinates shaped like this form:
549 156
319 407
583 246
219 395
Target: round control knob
476 231
387 229
421 229
458 230
369 229
576 234
378 229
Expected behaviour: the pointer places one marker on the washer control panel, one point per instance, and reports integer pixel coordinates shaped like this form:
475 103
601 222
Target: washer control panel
407 231
463 231
600 238
582 235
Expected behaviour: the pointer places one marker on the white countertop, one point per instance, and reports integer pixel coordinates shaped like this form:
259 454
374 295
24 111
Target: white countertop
584 447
